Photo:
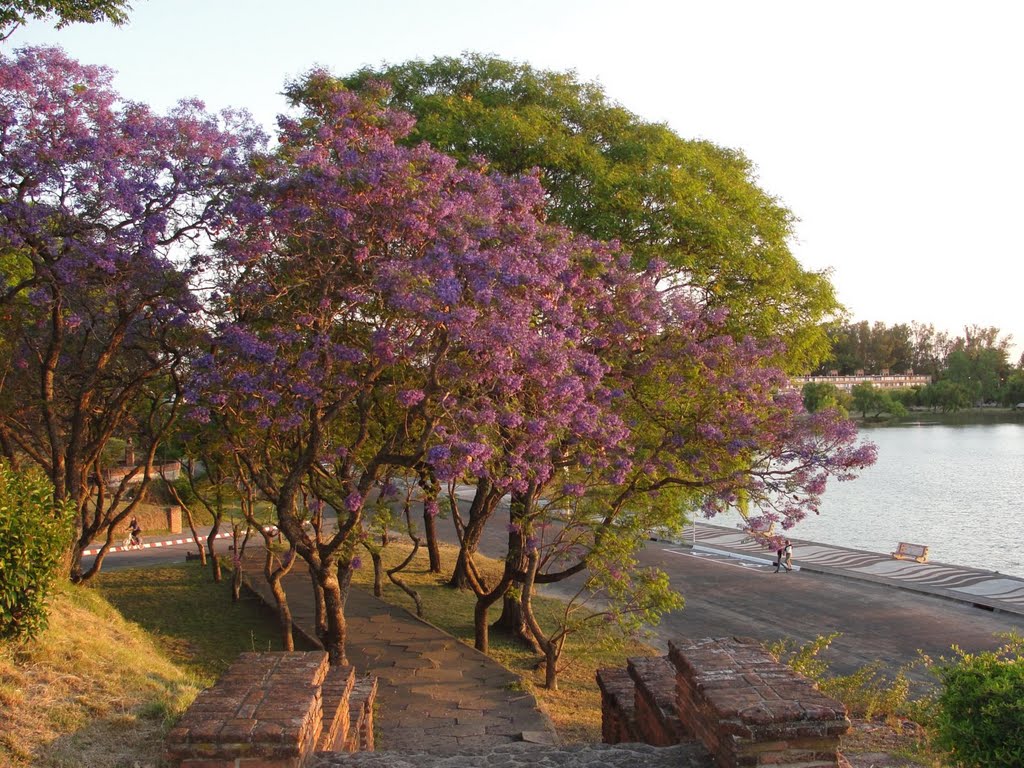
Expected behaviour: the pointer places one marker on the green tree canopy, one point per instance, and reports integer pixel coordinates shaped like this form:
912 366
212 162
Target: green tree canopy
871 347
14 14
692 204
820 395
869 400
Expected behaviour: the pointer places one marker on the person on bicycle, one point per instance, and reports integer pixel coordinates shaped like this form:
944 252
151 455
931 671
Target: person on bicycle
136 532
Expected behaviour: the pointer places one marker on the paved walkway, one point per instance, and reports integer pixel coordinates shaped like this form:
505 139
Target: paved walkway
986 589
436 694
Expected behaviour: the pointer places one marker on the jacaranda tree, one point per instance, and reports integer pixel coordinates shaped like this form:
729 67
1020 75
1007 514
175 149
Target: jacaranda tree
711 424
105 210
380 306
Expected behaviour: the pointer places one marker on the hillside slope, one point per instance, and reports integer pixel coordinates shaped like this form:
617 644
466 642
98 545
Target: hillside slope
94 690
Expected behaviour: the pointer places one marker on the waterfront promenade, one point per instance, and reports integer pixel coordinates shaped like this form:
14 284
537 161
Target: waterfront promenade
982 588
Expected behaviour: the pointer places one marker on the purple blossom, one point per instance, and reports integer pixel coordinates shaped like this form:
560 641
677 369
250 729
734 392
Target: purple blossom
200 415
409 397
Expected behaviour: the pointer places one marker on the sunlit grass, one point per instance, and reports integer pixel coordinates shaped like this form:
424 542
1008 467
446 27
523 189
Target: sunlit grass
93 690
192 619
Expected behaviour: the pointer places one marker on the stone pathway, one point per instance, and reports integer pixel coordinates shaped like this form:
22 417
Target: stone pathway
435 693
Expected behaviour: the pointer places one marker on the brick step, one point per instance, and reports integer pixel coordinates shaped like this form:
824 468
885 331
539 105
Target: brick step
274 710
335 692
528 756
360 707
656 714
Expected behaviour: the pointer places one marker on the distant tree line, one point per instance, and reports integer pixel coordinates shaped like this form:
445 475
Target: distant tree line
968 370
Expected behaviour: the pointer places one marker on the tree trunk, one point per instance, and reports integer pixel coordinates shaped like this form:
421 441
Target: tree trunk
319 606
460 574
378 573
513 620
551 667
484 600
75 561
187 509
392 574
333 640
236 582
284 613
481 639
214 560
485 500
550 648
433 548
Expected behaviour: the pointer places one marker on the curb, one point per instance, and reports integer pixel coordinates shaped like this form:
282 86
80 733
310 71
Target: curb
154 544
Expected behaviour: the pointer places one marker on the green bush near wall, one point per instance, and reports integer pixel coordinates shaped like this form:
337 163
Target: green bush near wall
979 714
34 539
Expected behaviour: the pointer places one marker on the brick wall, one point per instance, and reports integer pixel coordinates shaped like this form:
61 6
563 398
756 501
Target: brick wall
733 697
273 710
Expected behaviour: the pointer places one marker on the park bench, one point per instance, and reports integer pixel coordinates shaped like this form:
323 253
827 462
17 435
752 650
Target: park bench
905 551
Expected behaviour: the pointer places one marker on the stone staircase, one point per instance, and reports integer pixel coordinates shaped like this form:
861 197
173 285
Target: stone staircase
713 703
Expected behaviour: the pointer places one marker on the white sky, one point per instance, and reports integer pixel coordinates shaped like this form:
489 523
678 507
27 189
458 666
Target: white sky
891 129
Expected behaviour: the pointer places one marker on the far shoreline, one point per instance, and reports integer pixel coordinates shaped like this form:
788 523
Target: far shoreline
975 415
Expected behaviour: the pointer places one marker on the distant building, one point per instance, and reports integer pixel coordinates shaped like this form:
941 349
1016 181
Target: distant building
884 380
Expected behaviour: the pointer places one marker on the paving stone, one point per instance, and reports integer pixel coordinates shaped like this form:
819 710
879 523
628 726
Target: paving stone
524 755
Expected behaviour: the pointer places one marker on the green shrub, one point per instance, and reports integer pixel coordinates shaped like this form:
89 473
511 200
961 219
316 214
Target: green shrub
979 713
34 537
867 692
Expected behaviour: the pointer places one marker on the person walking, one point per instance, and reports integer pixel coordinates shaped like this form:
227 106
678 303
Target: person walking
784 557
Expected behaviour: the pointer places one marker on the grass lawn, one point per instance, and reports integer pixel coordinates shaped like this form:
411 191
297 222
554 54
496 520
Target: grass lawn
93 690
191 618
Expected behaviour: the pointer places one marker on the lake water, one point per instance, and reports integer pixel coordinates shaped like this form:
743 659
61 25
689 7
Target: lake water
957 487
